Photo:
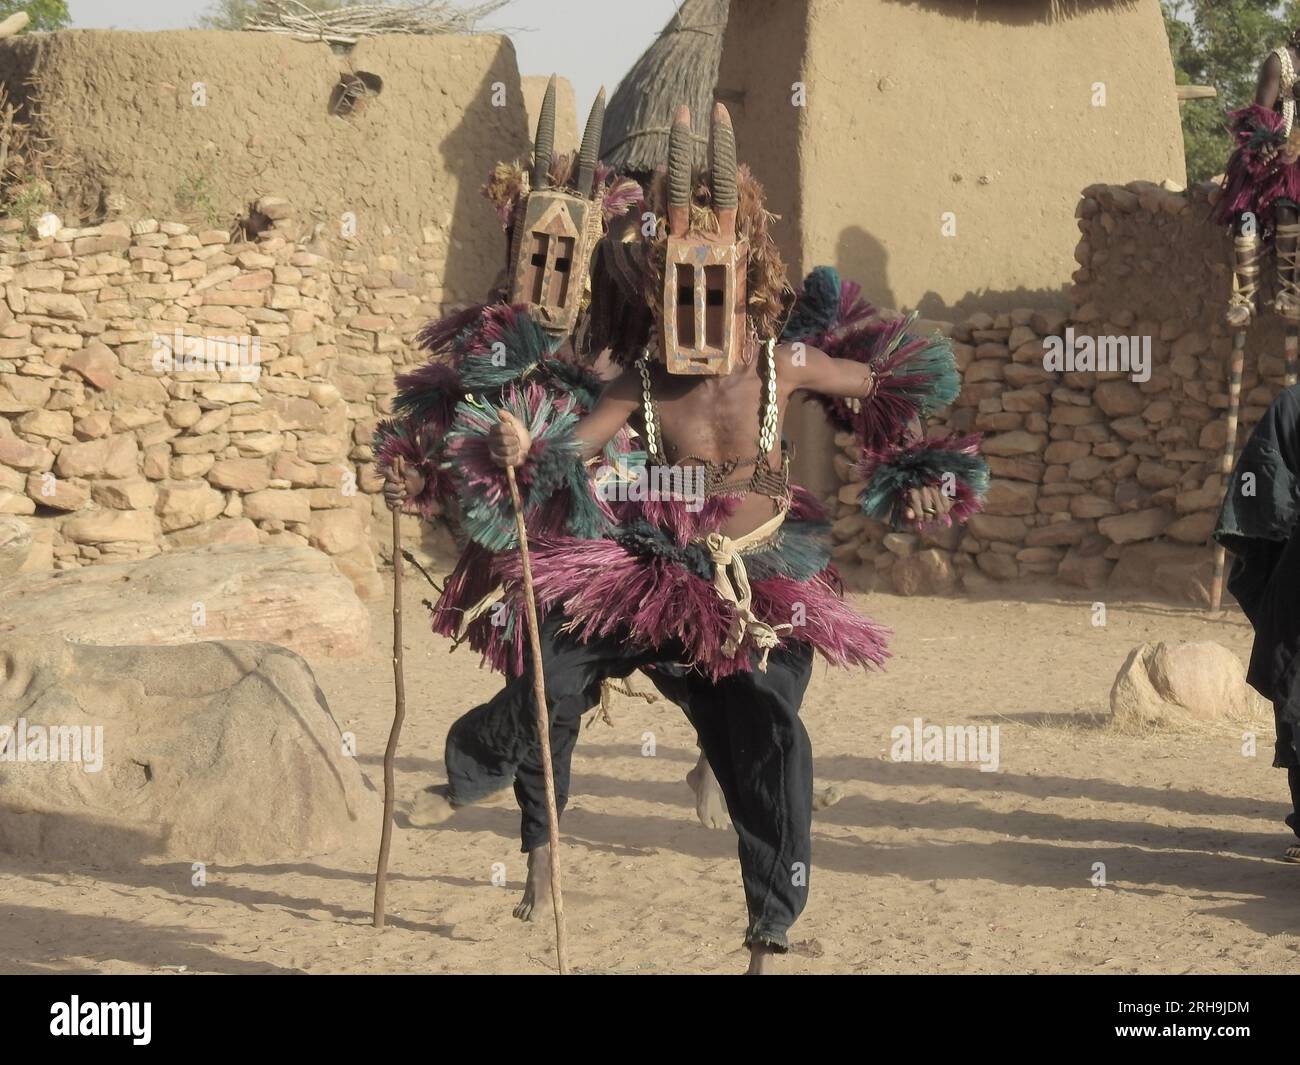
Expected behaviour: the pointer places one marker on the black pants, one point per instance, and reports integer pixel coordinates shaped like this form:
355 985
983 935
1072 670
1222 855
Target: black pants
1285 757
748 727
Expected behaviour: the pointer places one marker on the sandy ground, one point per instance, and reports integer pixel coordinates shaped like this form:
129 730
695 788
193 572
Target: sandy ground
923 867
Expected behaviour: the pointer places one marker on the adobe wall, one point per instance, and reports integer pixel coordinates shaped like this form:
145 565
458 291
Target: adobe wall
196 124
915 108
921 112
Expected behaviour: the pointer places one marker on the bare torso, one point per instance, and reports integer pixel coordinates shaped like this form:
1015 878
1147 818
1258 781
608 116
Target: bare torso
718 420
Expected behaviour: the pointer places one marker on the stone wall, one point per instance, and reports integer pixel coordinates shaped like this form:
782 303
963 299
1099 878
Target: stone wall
112 452
1099 481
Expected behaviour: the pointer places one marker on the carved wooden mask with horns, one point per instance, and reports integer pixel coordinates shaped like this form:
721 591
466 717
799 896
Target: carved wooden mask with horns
557 230
703 309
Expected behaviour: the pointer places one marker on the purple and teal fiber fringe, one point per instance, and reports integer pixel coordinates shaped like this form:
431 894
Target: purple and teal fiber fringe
952 461
916 375
558 494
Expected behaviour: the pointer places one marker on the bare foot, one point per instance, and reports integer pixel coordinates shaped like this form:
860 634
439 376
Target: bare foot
760 960
827 797
431 807
536 903
710 806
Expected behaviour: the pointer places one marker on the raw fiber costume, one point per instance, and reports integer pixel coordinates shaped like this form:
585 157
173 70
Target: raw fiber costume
1260 196
629 578
1257 523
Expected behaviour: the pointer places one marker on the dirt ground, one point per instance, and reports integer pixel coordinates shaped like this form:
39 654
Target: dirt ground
922 867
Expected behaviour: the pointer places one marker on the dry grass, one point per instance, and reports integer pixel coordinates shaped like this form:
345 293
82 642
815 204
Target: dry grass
347 25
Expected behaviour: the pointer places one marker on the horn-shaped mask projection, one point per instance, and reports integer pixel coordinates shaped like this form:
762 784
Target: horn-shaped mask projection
703 317
559 228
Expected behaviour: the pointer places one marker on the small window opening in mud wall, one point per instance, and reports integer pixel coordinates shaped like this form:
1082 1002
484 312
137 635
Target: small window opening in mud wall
354 92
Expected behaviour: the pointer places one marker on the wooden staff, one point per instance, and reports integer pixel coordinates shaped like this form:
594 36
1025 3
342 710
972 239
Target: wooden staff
1292 345
1229 451
543 725
399 709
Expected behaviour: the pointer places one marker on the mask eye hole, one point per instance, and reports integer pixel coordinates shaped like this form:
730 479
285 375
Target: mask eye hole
713 297
539 258
562 265
685 295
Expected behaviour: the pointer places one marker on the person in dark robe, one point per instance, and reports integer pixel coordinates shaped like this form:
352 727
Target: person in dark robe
1257 524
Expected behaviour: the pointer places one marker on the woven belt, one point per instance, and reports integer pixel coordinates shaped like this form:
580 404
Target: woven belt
731 582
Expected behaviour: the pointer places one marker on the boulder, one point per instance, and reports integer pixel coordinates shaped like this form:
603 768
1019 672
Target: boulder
1170 684
214 752
286 595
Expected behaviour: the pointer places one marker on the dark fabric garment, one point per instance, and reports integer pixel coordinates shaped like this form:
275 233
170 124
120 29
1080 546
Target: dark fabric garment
1266 511
1284 752
1257 523
496 742
1293 818
748 727
1286 757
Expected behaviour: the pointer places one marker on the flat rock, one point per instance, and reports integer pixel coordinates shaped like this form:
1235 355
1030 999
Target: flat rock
220 752
1136 525
287 595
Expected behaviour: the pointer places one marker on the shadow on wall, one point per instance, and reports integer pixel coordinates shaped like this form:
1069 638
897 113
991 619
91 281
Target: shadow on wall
1014 12
472 217
860 257
931 305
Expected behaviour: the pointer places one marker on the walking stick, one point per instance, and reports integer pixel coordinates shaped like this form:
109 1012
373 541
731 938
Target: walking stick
543 725
1292 346
1229 451
399 712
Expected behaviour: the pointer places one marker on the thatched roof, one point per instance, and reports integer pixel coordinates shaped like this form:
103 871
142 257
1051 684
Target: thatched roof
681 67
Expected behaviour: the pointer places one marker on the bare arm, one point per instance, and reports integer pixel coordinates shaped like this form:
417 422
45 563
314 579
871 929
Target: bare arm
804 367
509 441
617 403
812 370
1266 95
1270 82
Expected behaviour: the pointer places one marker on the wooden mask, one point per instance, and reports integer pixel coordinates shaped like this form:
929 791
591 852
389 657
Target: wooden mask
702 327
556 230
